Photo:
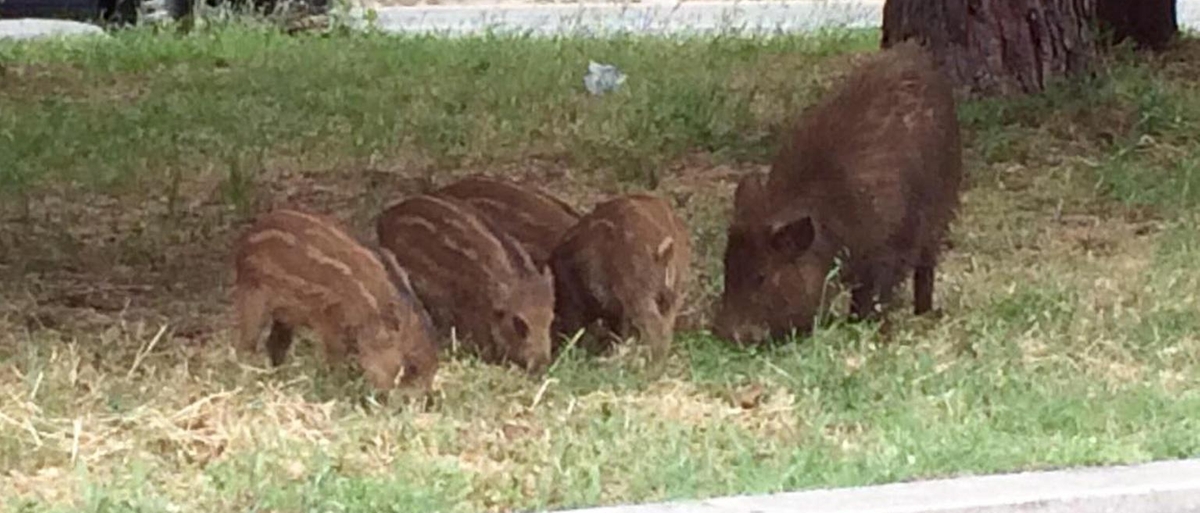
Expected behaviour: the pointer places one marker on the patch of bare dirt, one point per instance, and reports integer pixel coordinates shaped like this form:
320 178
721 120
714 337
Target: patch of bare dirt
61 81
1182 60
77 261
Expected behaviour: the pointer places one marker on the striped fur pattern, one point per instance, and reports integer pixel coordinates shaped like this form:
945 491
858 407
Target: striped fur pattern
298 269
536 219
473 277
626 265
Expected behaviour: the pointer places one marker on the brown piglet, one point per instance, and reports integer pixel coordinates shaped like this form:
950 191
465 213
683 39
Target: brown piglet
626 264
536 219
473 278
299 269
870 175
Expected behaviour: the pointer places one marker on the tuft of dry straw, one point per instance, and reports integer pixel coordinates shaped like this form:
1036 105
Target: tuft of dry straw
141 354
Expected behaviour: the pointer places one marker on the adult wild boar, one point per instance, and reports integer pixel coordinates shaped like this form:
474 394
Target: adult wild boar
870 175
298 269
626 264
473 277
536 219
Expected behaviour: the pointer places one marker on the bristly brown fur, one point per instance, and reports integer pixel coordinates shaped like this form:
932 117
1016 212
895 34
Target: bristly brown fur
473 277
299 269
533 217
871 173
627 265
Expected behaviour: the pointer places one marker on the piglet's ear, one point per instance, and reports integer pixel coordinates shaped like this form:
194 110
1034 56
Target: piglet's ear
547 274
520 327
665 250
390 317
793 238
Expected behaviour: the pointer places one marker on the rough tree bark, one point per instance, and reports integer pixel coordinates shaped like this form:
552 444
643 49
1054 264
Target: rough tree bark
998 47
1150 23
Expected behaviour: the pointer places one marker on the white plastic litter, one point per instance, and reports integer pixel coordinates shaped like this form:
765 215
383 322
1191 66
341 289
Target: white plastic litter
602 78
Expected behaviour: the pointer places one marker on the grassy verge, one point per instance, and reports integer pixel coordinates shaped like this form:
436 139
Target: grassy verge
1070 297
149 107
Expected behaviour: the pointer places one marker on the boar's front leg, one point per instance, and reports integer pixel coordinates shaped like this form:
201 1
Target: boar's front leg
572 309
922 289
250 311
873 291
333 340
862 294
279 342
886 280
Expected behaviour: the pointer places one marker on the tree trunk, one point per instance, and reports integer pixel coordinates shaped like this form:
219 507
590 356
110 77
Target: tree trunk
1150 23
997 47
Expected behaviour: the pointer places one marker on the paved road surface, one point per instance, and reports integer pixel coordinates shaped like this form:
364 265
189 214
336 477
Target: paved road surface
1161 487
654 16
650 16
645 17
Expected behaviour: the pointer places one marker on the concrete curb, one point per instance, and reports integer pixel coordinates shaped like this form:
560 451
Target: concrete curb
1160 487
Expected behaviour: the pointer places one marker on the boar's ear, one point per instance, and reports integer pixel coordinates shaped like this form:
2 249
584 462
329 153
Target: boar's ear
663 255
793 237
520 327
391 320
665 250
749 193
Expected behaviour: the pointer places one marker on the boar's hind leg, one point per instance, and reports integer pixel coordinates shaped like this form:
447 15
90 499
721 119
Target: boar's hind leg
923 285
279 342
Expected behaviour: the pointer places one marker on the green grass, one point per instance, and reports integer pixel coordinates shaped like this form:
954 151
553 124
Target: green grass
1069 334
148 107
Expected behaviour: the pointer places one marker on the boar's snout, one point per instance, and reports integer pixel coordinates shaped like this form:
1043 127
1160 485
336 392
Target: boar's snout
526 339
409 369
532 358
420 367
537 364
536 356
729 327
654 331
